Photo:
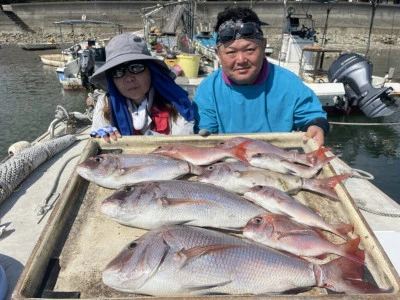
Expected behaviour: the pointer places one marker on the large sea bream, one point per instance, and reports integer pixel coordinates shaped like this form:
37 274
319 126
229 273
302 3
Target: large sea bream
186 261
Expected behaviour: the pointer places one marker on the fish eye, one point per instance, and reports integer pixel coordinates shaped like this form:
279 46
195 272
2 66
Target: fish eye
128 189
210 168
257 155
98 159
258 220
132 245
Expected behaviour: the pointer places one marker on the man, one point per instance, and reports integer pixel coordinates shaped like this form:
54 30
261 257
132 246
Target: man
248 94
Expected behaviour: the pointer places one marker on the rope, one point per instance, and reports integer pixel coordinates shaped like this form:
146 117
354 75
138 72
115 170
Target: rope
375 212
46 207
365 124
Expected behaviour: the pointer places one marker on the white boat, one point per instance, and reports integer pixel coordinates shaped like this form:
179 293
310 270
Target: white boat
51 223
348 85
55 60
71 74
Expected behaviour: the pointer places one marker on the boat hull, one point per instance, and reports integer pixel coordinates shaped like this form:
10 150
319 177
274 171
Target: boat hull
34 47
54 60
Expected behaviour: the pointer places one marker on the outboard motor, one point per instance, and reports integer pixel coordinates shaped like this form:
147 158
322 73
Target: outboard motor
74 50
86 66
355 72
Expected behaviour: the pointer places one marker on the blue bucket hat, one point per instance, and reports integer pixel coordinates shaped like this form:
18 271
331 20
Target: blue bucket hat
123 48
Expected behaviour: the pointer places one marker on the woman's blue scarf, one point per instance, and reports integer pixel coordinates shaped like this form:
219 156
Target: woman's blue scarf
165 86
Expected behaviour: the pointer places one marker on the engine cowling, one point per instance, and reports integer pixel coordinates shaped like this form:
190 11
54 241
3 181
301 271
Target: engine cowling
355 72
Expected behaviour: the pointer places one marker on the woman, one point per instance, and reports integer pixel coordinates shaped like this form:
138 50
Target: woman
142 97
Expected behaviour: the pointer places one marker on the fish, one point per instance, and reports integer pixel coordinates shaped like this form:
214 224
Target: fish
23 162
278 164
246 147
151 204
240 181
276 201
186 261
283 233
195 155
114 171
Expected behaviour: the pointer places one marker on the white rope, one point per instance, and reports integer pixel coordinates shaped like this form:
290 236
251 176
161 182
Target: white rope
375 212
365 124
46 207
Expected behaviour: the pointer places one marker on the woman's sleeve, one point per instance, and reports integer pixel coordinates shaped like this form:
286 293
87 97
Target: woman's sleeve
99 121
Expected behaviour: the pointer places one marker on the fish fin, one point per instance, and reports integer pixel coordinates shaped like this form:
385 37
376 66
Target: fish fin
196 170
188 255
325 186
351 251
311 158
193 288
362 287
343 229
344 276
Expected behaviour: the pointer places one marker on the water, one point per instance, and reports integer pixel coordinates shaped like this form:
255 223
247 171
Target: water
30 93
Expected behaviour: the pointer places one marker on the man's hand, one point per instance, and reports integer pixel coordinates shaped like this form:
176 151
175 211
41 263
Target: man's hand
106 133
314 132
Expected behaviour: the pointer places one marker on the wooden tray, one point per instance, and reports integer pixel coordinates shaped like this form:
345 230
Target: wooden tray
78 241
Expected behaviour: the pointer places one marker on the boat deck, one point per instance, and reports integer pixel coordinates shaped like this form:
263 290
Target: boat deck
18 212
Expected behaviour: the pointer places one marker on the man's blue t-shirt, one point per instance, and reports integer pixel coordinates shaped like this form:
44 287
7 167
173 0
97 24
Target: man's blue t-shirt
282 103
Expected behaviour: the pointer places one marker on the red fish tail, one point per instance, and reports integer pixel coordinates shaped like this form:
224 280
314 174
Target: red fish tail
325 186
344 276
324 161
351 251
362 287
343 229
240 151
314 157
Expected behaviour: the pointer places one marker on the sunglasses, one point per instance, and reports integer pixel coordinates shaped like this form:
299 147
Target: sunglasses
246 30
134 68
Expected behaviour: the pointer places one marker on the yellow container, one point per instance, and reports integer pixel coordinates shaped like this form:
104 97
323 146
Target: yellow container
190 64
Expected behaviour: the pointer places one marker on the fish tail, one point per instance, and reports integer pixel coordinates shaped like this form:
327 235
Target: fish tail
343 229
312 158
344 276
240 151
325 186
351 251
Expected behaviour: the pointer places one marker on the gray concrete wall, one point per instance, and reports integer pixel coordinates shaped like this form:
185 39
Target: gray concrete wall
344 16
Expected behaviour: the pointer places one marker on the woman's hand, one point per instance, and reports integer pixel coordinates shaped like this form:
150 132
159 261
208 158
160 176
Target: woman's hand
314 132
106 133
